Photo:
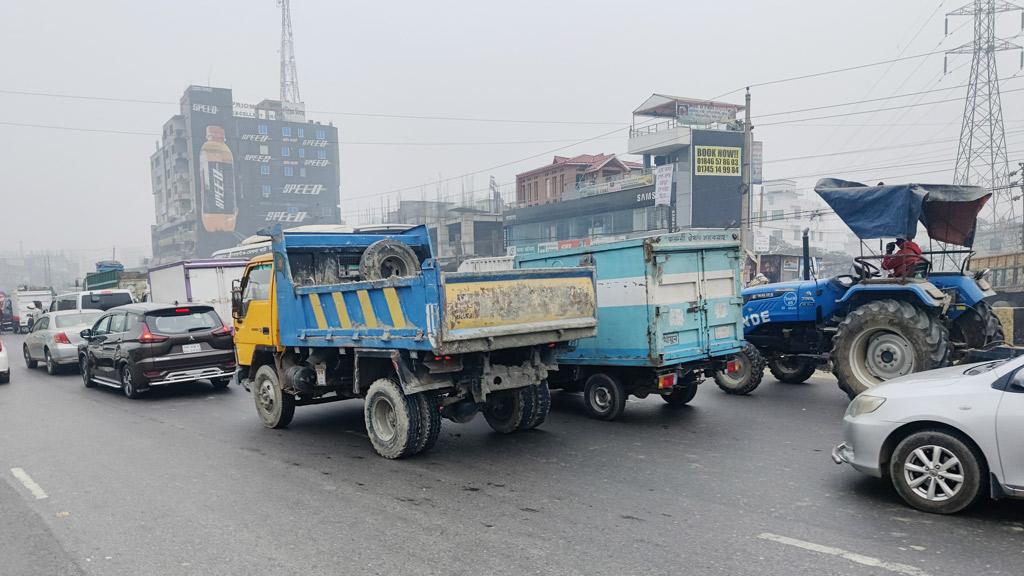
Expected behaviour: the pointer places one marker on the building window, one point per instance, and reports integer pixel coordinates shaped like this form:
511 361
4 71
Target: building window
302 151
286 131
262 128
286 151
301 133
289 171
264 149
264 170
777 214
266 190
321 134
302 171
321 154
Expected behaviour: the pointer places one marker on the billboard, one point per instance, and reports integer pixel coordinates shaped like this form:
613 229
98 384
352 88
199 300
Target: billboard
716 183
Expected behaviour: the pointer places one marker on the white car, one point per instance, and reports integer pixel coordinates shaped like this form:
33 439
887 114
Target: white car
5 365
945 438
55 337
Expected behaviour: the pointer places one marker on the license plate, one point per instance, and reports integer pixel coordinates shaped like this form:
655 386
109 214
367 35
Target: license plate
191 348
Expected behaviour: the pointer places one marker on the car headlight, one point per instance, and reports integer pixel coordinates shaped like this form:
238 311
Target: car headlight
864 404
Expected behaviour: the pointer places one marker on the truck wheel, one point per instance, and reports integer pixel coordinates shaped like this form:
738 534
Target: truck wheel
791 370
538 405
680 395
387 258
748 375
430 421
505 410
275 406
882 340
393 420
978 327
937 472
604 396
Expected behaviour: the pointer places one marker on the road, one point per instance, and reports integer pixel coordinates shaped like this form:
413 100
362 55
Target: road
186 481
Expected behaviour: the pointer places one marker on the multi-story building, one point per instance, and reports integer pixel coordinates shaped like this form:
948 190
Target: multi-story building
782 212
224 170
568 178
458 231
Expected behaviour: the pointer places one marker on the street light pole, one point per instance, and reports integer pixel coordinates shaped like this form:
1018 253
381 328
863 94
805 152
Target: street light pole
746 229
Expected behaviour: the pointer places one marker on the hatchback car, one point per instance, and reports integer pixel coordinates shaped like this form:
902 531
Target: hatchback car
944 438
5 365
140 346
55 337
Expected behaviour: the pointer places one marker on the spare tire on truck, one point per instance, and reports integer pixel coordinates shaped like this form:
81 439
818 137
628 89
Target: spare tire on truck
388 258
882 340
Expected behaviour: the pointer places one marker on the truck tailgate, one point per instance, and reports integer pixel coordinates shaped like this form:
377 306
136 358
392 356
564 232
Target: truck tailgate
511 303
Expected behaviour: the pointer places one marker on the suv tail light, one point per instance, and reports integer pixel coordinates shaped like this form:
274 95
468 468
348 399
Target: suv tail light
148 337
61 338
1 346
224 330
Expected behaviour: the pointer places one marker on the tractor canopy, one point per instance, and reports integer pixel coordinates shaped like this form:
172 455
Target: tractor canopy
949 213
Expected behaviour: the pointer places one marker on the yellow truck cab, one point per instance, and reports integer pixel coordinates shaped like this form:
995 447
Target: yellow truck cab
369 314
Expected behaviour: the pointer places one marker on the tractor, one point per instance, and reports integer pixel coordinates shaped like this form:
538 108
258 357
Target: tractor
867 326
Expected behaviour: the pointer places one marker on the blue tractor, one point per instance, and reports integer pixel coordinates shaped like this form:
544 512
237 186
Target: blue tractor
868 326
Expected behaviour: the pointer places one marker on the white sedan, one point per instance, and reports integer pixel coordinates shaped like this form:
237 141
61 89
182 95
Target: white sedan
5 365
945 438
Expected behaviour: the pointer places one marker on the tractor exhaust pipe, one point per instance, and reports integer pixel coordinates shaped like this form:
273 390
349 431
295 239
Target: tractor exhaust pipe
807 254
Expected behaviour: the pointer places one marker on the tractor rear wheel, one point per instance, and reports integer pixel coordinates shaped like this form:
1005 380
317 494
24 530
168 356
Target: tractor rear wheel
748 374
882 340
791 370
978 327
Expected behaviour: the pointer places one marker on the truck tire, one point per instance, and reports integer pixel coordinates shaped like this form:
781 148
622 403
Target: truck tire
882 340
430 421
538 406
505 411
978 327
387 258
748 376
792 370
275 406
680 395
393 420
604 396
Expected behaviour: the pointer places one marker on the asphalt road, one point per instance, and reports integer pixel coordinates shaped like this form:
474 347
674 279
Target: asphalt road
187 481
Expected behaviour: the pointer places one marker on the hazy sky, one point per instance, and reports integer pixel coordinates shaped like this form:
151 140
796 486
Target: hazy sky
588 61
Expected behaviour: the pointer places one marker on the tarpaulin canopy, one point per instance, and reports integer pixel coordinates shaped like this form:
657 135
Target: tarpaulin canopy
949 213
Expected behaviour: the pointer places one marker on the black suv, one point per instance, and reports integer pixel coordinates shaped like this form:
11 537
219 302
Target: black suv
138 346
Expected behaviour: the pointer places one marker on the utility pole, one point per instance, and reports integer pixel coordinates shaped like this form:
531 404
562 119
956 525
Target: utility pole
746 230
981 155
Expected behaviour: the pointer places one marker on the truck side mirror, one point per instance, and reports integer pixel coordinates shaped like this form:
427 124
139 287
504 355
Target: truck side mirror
236 299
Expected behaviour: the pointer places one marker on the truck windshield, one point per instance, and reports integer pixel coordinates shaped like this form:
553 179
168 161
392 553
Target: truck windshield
105 301
68 320
183 320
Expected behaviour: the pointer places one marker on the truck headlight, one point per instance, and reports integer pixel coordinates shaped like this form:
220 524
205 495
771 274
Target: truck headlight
864 404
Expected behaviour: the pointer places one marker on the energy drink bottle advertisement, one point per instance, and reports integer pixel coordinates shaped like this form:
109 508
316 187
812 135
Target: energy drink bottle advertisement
217 181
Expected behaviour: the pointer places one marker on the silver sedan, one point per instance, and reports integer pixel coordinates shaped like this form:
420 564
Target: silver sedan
944 438
54 338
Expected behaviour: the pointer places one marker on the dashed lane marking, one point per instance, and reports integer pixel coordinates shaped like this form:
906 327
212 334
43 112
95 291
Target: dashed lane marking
29 483
851 556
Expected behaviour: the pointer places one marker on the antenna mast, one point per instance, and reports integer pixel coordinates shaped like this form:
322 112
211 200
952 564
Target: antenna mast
289 74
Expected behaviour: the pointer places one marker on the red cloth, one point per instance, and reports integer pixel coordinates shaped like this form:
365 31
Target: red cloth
902 263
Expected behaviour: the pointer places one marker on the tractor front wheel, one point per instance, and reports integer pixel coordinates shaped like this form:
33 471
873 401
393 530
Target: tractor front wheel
882 340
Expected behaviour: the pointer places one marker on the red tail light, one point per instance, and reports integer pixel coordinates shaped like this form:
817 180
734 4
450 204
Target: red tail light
732 367
666 381
148 337
224 331
182 310
1 346
61 338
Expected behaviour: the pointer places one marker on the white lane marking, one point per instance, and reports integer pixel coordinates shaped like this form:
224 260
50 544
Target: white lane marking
29 483
851 556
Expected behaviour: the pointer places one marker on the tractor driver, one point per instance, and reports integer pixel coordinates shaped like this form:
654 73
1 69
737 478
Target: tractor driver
902 263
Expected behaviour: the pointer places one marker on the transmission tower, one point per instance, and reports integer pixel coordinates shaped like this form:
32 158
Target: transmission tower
289 75
981 155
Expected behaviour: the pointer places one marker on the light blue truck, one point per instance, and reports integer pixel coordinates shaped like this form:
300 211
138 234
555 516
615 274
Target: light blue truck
669 314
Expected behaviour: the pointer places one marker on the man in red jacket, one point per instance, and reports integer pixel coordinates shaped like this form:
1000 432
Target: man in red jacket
902 263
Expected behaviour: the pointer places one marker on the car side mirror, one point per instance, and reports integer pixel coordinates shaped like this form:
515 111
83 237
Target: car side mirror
86 334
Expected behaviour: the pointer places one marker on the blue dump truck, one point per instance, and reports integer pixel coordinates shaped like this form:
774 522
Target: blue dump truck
332 316
669 313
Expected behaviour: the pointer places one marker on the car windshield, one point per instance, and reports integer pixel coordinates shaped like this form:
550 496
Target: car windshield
68 320
105 301
183 320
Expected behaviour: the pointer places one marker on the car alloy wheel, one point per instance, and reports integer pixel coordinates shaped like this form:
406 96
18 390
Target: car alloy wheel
933 473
